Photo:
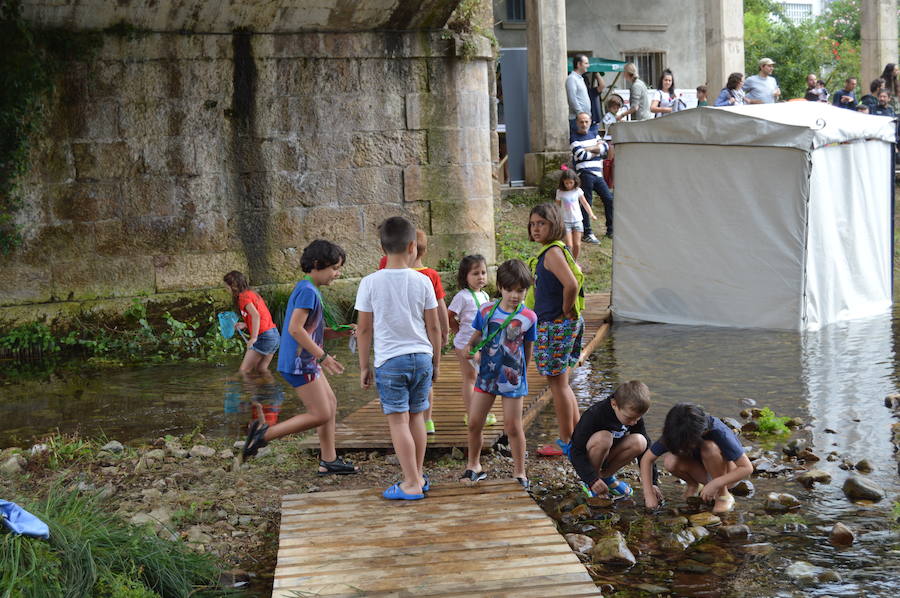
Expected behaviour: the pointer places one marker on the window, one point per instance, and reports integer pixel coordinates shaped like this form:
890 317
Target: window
797 11
515 10
649 65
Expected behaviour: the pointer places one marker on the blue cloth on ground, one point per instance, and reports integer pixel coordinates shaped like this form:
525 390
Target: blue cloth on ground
20 521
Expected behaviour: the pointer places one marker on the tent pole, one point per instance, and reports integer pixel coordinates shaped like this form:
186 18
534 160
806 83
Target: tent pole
893 198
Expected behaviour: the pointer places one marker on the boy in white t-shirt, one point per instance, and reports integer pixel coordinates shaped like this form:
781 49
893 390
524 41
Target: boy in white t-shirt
398 305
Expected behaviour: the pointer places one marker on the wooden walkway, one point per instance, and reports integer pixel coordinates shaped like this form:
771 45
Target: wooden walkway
367 426
491 540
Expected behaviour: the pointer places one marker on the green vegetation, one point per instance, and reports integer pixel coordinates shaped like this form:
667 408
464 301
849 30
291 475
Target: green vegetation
94 554
29 65
828 45
469 22
769 423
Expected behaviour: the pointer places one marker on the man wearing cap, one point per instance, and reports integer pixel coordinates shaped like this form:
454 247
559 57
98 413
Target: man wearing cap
762 88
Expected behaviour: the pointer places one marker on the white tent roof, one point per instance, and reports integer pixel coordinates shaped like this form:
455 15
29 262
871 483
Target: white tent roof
799 125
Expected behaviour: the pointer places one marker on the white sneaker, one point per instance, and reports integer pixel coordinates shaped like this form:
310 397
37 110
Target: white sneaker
590 238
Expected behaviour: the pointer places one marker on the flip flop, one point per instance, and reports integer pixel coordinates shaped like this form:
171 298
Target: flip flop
427 485
337 467
524 482
471 477
549 450
395 492
255 438
618 488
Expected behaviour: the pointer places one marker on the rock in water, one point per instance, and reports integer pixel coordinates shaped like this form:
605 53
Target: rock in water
813 477
841 535
734 532
743 488
580 543
705 518
113 446
803 571
580 512
13 465
860 488
200 450
781 502
794 447
864 466
808 456
613 549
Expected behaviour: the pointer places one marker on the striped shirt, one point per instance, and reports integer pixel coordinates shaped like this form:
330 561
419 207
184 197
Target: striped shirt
585 160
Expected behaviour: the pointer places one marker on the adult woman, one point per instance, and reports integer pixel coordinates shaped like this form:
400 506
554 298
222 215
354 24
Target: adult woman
664 101
891 76
595 87
732 94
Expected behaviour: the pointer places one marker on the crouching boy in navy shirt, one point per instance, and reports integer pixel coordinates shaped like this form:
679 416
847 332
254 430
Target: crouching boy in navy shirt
703 452
609 435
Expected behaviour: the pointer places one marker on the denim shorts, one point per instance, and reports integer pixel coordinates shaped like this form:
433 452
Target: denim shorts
575 225
267 342
403 383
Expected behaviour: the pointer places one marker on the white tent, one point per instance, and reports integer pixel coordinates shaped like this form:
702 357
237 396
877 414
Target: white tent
768 216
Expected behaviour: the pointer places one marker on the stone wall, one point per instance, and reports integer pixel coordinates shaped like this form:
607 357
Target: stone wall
169 159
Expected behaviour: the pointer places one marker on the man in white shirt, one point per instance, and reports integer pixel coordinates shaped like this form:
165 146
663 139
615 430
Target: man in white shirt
762 88
576 90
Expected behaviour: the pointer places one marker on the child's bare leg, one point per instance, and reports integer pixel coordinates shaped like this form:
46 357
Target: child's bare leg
689 470
567 239
467 373
480 406
564 404
251 361
420 439
327 430
512 426
405 447
576 244
262 368
319 409
427 412
621 454
714 462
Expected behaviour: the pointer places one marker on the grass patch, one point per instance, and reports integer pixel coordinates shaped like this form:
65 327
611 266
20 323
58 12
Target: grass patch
769 423
95 554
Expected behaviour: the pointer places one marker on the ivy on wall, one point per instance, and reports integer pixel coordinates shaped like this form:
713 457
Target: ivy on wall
29 64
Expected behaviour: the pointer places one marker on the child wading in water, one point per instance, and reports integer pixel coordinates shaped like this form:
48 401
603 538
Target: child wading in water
471 278
569 197
609 435
558 300
501 345
399 307
703 452
264 340
303 359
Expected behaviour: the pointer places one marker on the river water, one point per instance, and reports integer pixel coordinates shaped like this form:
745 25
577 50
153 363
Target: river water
834 379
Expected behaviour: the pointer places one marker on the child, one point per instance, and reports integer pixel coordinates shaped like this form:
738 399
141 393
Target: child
703 452
398 306
264 339
613 107
558 299
501 345
568 197
303 357
609 435
435 278
702 99
470 279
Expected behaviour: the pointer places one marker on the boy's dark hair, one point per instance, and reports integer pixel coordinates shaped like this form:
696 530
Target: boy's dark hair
683 429
552 214
513 274
568 175
321 254
633 395
875 85
236 281
702 89
465 266
396 233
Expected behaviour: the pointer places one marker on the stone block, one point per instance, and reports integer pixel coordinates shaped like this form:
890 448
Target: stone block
451 182
96 120
393 76
167 156
459 146
105 79
452 215
95 276
328 152
400 148
315 76
454 246
146 197
360 112
212 153
176 272
382 184
51 162
84 202
23 284
303 189
282 155
537 164
454 76
60 240
286 117
430 110
160 118
99 161
252 192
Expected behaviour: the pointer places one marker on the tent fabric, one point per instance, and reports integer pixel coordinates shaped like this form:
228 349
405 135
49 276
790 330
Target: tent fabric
601 65
849 273
728 219
799 125
20 521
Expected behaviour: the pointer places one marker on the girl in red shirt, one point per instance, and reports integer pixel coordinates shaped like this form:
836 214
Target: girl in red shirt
264 337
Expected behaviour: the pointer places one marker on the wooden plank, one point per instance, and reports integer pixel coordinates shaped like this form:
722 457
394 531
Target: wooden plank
489 539
367 427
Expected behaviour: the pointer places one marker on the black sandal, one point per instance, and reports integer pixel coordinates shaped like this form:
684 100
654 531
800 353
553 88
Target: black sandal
472 477
255 438
337 467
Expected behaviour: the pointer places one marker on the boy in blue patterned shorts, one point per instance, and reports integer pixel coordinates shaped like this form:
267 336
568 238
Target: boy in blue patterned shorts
398 306
501 347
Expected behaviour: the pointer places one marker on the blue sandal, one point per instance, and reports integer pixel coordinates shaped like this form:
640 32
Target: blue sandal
395 492
427 486
618 488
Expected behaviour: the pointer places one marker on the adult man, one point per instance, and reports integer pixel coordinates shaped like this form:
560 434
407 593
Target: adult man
845 98
588 150
762 88
870 100
576 90
639 97
883 107
815 92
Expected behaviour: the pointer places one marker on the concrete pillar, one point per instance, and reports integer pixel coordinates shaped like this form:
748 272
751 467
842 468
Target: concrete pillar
547 108
724 42
878 32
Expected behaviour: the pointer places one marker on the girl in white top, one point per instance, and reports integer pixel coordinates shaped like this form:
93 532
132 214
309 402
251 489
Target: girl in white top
665 100
570 198
470 279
